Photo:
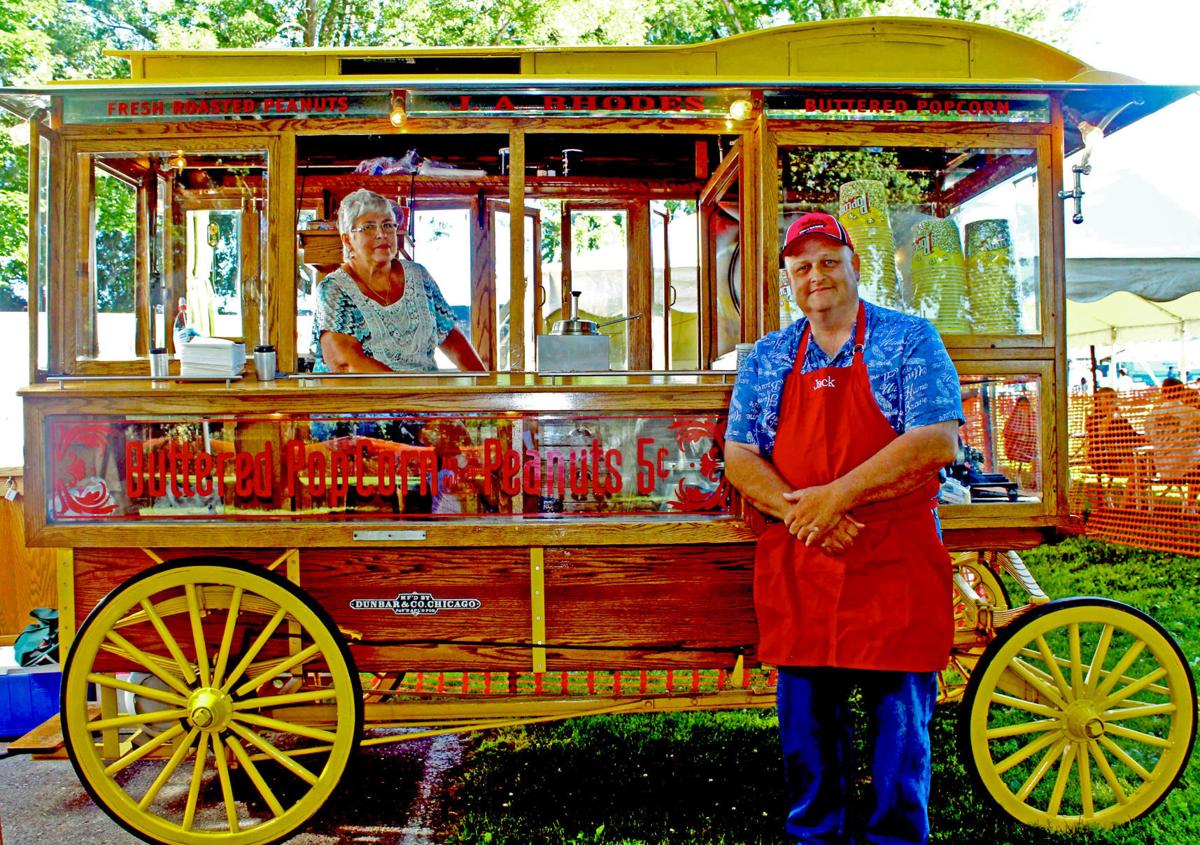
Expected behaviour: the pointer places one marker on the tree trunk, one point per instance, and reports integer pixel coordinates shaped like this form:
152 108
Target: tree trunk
311 13
732 14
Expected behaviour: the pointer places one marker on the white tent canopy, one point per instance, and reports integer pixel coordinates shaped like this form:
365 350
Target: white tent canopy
1127 317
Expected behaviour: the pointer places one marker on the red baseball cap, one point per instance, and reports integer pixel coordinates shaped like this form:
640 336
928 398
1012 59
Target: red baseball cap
816 223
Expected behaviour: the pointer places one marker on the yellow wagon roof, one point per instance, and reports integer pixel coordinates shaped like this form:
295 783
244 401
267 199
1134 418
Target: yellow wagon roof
860 50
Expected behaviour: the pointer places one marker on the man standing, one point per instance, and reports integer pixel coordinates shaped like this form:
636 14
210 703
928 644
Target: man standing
837 427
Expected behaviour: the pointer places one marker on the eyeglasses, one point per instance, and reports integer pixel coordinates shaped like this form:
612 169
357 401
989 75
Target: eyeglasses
387 228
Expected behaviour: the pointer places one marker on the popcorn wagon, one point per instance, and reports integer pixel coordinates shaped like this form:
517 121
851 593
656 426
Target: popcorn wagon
262 568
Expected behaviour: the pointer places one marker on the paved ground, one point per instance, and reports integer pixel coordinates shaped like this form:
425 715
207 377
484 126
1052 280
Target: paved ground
389 796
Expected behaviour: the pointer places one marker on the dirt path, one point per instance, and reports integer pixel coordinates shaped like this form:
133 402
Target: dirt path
391 795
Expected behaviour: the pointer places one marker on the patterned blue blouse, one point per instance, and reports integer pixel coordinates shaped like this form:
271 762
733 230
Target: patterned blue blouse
911 375
402 335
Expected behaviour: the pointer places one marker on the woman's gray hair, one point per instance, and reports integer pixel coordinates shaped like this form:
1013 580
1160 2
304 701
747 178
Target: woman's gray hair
354 206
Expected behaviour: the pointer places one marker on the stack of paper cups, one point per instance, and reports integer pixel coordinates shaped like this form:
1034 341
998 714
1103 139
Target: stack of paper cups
863 210
939 278
992 278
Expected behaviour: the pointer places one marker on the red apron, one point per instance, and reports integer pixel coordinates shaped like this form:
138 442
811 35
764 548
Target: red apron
885 603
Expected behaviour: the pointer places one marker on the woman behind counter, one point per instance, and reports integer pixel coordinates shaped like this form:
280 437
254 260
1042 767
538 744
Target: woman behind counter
378 313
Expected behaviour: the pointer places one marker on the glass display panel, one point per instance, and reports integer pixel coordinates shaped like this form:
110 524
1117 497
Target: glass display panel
448 185
174 241
397 465
113 335
1000 445
949 233
503 265
438 234
600 271
674 249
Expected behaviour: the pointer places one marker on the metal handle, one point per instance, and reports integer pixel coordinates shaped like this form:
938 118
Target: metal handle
618 320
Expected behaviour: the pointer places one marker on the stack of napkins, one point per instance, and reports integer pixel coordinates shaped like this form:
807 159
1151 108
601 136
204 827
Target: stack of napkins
211 357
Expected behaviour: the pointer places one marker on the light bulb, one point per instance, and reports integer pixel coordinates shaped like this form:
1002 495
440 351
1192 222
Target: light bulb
398 113
741 109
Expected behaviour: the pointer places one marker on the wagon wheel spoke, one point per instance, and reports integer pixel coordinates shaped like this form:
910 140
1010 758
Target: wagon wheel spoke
1110 777
181 751
124 648
1055 673
194 615
1123 755
286 727
1139 712
268 701
1076 651
1038 681
274 753
1042 768
135 719
189 813
255 647
1098 656
1085 780
1138 736
255 776
1118 671
222 765
231 618
1023 728
144 691
1128 692
168 640
1065 763
146 749
1027 751
1027 706
272 672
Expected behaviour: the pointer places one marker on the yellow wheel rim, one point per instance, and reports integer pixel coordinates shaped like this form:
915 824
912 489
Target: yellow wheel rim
225 706
1084 713
973 566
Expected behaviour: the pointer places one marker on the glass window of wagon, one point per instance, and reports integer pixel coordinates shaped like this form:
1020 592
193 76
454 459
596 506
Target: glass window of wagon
950 233
164 232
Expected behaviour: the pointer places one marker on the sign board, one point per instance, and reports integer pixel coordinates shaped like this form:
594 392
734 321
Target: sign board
394 466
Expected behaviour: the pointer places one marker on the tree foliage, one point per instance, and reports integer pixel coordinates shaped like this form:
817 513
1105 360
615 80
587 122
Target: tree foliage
66 39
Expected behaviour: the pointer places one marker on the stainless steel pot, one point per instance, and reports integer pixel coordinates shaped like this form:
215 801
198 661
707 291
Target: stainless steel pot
576 326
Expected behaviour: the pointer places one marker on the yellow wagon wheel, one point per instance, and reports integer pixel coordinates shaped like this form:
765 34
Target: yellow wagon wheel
975 569
1083 712
252 708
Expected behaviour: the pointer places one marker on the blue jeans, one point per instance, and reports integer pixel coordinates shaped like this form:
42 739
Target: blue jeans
817 733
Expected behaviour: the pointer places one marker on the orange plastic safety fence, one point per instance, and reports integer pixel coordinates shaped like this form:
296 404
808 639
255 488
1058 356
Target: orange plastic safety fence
1135 466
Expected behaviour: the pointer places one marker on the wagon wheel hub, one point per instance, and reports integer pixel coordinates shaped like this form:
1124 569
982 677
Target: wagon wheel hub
209 709
1083 722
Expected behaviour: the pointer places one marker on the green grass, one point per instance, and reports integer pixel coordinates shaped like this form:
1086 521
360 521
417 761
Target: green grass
717 778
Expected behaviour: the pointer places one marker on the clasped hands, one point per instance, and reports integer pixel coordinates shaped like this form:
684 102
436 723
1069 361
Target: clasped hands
818 516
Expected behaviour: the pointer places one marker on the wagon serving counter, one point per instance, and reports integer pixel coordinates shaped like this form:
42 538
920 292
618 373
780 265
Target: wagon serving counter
259 572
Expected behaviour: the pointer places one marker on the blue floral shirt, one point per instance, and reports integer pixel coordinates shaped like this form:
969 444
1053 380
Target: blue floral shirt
402 335
912 378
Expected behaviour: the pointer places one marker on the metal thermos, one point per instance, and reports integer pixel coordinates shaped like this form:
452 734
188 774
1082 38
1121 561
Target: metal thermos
264 363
